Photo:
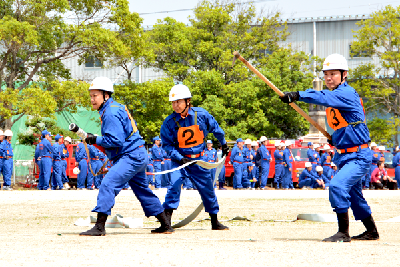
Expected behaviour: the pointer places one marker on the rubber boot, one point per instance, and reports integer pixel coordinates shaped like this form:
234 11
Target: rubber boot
343 233
371 233
168 214
221 186
215 224
165 227
99 227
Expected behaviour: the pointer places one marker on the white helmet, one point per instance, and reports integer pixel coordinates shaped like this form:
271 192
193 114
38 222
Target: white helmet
8 133
254 143
380 147
68 139
326 147
319 169
102 83
373 144
333 164
76 170
278 143
308 164
263 138
316 146
179 91
288 143
247 142
335 62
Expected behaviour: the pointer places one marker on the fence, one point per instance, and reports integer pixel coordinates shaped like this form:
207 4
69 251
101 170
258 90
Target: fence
23 171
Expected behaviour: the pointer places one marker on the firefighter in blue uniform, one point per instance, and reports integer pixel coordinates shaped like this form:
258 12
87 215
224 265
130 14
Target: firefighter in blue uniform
253 170
2 151
125 147
46 160
326 160
158 160
396 166
95 162
279 169
320 178
166 178
265 158
247 165
237 159
64 157
210 155
56 182
183 134
8 160
287 181
345 114
307 177
99 178
81 161
221 176
312 155
333 171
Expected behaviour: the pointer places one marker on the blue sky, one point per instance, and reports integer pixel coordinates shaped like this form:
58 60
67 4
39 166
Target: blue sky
288 8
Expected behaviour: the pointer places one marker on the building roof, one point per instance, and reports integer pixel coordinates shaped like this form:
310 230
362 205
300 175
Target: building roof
329 18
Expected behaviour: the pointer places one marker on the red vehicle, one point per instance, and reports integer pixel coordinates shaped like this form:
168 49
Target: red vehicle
70 165
300 158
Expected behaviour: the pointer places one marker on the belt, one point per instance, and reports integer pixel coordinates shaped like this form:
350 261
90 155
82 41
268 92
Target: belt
46 157
265 159
279 163
94 159
150 165
167 159
352 149
313 162
56 160
1 157
327 164
238 162
195 155
157 160
373 163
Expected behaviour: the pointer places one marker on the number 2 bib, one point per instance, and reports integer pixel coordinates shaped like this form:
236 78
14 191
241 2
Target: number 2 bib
190 136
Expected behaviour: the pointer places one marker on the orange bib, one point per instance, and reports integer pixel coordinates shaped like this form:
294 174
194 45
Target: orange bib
190 136
335 119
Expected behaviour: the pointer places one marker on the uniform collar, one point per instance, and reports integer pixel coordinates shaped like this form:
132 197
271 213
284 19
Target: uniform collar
106 105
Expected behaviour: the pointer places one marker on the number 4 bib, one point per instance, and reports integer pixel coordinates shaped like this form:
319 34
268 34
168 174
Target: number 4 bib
190 136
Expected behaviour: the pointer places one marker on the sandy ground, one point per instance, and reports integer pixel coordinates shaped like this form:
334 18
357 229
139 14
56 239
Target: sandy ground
37 229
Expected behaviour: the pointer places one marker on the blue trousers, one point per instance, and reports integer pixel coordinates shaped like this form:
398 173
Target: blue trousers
98 178
7 171
57 170
345 190
264 173
368 177
326 170
397 175
83 167
95 167
279 171
245 175
254 176
201 178
237 178
64 177
287 181
150 178
306 182
187 184
129 168
166 178
221 176
45 173
157 168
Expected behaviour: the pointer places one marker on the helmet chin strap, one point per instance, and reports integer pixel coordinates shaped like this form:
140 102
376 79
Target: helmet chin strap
104 100
185 107
341 78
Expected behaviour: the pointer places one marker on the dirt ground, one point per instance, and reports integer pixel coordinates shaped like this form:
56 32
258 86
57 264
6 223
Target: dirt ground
37 229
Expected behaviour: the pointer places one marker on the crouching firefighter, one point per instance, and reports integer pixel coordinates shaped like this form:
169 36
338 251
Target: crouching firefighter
182 134
124 146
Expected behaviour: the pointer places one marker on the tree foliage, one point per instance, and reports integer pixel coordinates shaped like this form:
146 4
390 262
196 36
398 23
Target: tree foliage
379 38
36 36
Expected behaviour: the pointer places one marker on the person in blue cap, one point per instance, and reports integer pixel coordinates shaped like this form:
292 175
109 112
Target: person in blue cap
210 155
56 182
346 116
46 160
125 148
7 160
312 155
158 160
279 169
265 158
237 160
183 133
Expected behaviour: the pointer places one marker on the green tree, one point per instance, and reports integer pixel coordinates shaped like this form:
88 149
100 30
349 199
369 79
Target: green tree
36 36
379 38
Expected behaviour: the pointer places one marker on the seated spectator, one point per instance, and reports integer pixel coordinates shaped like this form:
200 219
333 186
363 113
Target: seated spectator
320 179
306 178
380 179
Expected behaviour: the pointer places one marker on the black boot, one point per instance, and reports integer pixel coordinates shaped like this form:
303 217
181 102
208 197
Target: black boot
215 224
165 227
343 234
99 227
371 233
168 214
221 186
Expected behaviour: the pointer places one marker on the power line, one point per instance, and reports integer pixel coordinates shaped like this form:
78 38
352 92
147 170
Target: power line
190 9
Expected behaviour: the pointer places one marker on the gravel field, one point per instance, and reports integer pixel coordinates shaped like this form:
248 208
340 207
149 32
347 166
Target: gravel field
37 229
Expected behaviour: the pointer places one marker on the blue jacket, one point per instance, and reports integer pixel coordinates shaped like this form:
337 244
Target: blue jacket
347 103
45 148
396 160
265 156
287 158
254 154
210 155
169 132
324 158
157 153
247 153
321 177
8 150
237 154
65 152
36 153
313 155
80 153
3 148
57 151
278 155
305 174
118 137
93 152
150 158
332 173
